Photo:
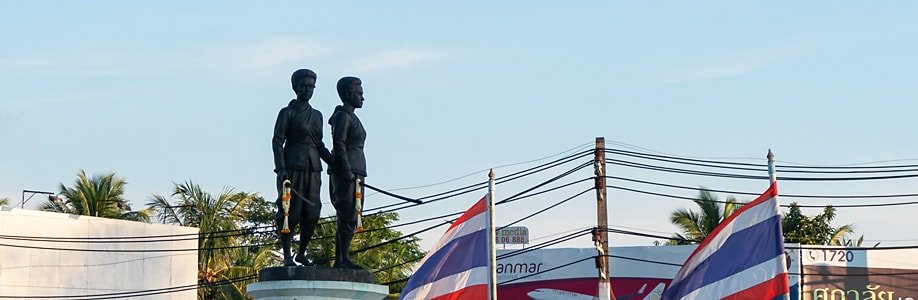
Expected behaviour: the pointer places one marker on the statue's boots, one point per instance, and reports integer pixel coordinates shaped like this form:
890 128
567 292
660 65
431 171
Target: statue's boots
301 258
285 244
343 250
306 231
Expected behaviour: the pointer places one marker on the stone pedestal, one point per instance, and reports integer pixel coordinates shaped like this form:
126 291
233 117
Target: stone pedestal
302 283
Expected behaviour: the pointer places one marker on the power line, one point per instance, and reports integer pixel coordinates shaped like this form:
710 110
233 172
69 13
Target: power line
547 270
243 231
139 293
782 205
742 176
553 179
481 185
788 166
497 167
117 240
545 209
554 241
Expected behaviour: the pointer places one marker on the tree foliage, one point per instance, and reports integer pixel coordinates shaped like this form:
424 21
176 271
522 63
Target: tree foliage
816 230
695 226
221 216
389 262
98 196
223 255
797 227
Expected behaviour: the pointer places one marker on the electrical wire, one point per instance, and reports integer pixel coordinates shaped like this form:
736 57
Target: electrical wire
547 270
364 249
756 194
741 176
114 238
552 242
545 209
139 293
484 170
645 260
782 205
778 167
482 185
553 179
119 241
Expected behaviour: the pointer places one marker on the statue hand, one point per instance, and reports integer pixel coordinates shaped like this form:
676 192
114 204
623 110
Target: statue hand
350 176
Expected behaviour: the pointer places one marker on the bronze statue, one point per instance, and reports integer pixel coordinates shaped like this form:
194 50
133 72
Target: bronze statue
298 147
348 136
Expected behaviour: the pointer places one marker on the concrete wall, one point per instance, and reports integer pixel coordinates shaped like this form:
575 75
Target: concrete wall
48 272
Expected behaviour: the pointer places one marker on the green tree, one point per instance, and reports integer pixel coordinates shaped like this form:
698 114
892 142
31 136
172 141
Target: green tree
389 262
695 226
223 255
797 227
4 201
98 196
816 230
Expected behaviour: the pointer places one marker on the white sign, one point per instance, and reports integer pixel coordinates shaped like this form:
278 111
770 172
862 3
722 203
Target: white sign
512 235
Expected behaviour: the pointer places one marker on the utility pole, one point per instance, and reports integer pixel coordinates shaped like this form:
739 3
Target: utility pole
601 232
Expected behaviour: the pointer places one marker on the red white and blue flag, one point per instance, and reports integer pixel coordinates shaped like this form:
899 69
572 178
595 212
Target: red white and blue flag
457 266
743 258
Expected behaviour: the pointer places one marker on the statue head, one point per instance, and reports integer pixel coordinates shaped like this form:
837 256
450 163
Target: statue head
304 83
350 91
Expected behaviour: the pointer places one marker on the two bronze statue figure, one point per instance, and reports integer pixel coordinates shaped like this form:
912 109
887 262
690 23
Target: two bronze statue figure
298 149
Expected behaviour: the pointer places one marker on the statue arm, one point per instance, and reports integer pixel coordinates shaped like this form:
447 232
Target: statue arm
339 135
277 143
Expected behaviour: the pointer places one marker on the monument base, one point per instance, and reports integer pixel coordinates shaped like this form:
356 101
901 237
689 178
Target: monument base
303 283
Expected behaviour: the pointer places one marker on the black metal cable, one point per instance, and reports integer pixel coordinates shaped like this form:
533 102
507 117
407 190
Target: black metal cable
546 208
681 171
553 179
782 205
243 230
547 270
645 260
397 239
482 185
634 153
149 292
641 234
496 167
756 194
514 176
779 167
414 260
741 176
551 242
816 247
548 190
115 240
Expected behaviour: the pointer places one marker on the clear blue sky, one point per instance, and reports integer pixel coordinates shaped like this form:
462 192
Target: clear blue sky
175 90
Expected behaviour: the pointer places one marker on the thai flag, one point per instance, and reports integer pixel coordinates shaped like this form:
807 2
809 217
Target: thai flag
457 266
743 258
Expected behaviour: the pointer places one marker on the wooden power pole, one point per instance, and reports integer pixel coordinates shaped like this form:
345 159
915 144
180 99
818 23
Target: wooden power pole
601 233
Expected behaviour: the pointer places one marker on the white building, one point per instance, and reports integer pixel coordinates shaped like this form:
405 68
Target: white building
53 254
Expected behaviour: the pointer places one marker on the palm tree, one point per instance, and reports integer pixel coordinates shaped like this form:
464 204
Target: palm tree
98 196
4 201
695 226
219 219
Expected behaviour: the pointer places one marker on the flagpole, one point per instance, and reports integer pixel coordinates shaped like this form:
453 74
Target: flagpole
492 255
772 177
